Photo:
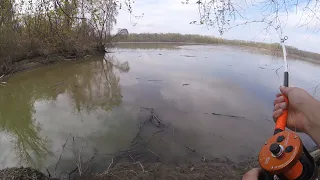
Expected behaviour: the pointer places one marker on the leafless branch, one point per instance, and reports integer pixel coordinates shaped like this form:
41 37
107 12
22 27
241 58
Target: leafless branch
138 162
63 146
278 70
226 14
153 153
109 166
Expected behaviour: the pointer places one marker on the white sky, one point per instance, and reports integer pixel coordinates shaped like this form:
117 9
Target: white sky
162 16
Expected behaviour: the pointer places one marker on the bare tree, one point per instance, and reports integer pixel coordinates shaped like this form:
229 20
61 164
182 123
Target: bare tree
226 14
44 27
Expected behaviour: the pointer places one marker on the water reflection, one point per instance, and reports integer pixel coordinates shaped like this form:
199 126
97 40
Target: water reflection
90 85
17 120
96 85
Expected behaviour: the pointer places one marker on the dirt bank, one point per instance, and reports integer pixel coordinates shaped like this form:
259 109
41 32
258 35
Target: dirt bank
215 169
22 174
40 61
207 169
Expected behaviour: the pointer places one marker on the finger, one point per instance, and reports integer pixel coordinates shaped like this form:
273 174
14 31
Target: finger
279 94
277 114
285 90
278 100
253 174
282 105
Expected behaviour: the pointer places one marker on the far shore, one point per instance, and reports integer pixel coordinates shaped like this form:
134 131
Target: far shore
40 61
276 52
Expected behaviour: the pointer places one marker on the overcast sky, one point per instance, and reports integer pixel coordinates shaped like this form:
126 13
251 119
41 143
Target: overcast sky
162 16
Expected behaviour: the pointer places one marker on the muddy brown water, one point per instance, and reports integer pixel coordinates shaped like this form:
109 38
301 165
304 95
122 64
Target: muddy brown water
96 103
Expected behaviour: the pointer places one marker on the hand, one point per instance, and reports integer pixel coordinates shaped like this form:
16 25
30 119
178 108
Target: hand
253 174
300 101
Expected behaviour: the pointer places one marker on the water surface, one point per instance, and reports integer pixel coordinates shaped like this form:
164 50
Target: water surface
94 104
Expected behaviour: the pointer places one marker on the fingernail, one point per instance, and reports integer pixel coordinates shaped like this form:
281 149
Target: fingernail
283 105
281 98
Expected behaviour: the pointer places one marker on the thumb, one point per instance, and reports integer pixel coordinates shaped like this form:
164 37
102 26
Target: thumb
285 90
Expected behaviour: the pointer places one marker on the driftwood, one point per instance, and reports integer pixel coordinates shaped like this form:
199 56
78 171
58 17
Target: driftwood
187 56
191 149
217 114
56 84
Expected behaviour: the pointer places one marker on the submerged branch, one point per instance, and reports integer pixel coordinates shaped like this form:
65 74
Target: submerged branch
56 84
63 146
217 114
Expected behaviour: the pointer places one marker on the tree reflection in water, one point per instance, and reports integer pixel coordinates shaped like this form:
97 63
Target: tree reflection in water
90 85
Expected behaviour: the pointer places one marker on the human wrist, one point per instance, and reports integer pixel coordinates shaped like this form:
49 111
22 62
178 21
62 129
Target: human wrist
313 115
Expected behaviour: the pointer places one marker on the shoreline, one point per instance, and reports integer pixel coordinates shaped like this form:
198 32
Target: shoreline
206 169
129 169
41 61
213 169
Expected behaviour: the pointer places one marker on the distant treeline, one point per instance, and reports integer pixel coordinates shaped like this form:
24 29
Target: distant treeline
274 48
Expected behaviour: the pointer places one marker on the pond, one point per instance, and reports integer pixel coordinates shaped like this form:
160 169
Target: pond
217 100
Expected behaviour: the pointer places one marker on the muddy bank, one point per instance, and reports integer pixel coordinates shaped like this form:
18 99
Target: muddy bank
40 61
22 174
206 169
215 169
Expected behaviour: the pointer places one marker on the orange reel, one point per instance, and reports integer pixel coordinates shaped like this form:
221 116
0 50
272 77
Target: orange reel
281 155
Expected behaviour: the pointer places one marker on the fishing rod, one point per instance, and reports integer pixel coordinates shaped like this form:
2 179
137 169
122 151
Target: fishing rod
283 156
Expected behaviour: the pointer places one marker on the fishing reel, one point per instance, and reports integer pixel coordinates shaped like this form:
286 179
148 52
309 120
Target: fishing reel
285 157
